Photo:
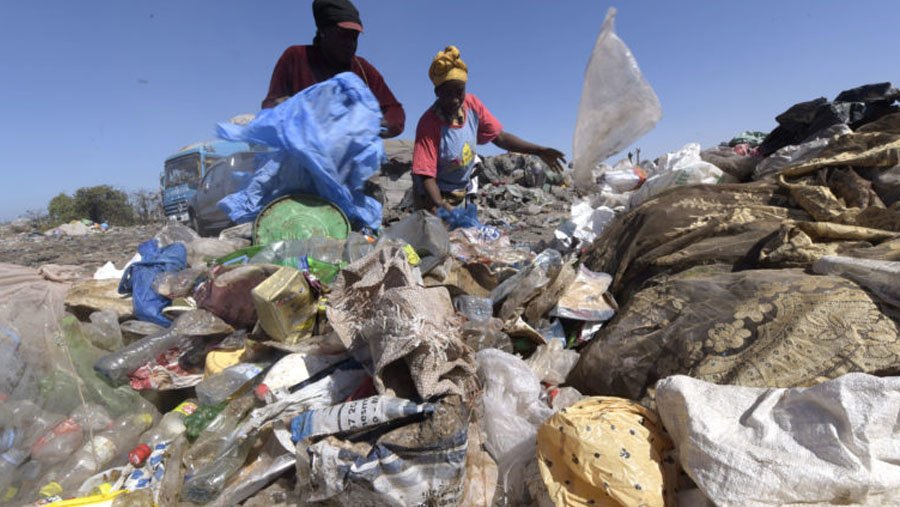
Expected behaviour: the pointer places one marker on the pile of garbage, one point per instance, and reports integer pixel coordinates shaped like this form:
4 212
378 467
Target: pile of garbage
699 325
77 228
710 335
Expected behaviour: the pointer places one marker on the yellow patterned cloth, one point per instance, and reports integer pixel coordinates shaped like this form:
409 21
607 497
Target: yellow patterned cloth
447 66
607 452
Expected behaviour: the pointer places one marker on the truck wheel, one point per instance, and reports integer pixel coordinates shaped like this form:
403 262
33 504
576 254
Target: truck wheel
195 224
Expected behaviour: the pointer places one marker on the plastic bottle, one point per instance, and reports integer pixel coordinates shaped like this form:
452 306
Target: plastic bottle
96 454
25 476
218 436
206 484
11 364
118 365
197 422
9 462
83 354
65 437
104 331
169 428
225 384
27 423
173 479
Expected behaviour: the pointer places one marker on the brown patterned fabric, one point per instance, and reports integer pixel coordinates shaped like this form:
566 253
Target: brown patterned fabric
716 280
758 328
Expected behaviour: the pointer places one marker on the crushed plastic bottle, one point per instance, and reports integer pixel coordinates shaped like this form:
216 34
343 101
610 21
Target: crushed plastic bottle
206 484
227 383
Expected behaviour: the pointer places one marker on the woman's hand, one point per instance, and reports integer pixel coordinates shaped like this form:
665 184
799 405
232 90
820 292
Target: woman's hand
553 158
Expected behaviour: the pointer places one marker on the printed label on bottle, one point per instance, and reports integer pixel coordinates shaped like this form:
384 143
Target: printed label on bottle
186 408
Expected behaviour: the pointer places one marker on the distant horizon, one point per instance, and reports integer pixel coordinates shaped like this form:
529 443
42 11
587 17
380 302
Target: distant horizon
103 93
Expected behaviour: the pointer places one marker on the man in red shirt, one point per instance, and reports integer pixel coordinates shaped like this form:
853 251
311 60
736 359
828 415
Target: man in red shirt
333 51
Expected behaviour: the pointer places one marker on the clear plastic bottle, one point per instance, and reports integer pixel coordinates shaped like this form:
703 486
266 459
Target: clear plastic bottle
11 365
206 484
27 423
173 479
96 454
65 437
24 477
169 428
219 435
9 462
228 382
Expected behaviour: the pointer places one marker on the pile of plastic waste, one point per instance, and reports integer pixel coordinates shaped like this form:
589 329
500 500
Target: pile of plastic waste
726 334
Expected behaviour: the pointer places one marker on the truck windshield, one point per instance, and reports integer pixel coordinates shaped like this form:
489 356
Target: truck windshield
182 170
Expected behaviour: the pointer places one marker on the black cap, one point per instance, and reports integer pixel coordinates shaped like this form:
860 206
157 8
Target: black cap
336 12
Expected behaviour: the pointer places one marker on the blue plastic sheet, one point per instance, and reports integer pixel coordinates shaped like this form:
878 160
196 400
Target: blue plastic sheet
138 279
326 144
460 217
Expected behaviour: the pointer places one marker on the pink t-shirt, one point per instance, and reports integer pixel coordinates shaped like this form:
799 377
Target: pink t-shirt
446 152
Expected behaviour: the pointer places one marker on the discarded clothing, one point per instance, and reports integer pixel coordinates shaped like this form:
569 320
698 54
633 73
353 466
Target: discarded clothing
139 276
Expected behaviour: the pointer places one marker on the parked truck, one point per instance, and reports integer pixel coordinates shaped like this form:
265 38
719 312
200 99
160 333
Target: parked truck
183 171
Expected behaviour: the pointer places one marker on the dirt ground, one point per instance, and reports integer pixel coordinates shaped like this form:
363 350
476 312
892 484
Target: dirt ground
33 249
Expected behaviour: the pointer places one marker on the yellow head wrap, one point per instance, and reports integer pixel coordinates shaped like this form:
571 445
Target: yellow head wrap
447 66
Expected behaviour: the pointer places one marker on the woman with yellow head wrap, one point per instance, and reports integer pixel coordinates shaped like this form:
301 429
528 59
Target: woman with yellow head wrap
444 153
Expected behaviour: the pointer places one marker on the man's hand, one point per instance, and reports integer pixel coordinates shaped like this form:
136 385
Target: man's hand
279 100
553 158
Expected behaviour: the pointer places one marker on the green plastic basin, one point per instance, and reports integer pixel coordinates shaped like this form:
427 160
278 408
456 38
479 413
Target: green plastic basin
299 217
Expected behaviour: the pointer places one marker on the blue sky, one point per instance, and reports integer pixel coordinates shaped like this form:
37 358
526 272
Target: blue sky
101 92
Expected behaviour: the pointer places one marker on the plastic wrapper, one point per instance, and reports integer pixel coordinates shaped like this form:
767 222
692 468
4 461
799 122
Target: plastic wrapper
202 251
552 362
295 369
228 293
174 232
617 104
331 158
138 279
473 308
587 298
486 335
419 463
515 292
177 284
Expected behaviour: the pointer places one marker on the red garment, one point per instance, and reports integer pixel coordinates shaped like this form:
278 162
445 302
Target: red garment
442 147
294 73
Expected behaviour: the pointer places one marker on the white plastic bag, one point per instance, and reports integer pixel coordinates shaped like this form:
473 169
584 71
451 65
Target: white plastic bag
617 104
512 413
677 169
585 224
